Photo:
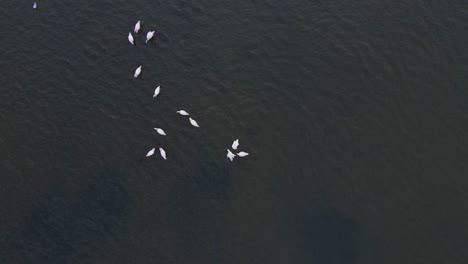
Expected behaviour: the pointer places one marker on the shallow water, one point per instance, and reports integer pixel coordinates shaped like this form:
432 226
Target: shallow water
354 114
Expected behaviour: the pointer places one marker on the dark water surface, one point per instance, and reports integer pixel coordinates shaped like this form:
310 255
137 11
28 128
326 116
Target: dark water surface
355 114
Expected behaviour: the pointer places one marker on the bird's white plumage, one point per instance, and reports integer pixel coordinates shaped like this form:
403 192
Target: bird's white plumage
160 131
193 122
230 155
149 36
163 153
34 5
182 112
137 71
137 26
235 144
242 154
157 91
150 153
130 38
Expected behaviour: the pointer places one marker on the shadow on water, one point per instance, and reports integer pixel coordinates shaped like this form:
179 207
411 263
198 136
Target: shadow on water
63 227
327 236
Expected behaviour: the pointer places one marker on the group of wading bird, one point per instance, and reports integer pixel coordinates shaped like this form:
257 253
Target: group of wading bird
150 35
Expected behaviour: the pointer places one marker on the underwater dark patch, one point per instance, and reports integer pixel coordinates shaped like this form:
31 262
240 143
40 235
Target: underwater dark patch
64 226
327 236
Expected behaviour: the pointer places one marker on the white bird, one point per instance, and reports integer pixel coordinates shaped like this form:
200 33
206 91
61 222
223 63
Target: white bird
157 91
137 27
137 72
163 153
150 153
130 38
160 131
235 144
149 36
242 154
230 155
193 122
35 5
182 112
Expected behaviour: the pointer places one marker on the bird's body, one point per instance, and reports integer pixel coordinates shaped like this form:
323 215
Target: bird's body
157 91
235 144
150 153
163 153
230 155
149 36
137 71
242 154
130 38
137 26
193 122
182 112
34 5
160 131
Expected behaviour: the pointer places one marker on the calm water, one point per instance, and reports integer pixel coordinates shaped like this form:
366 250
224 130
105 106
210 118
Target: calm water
355 114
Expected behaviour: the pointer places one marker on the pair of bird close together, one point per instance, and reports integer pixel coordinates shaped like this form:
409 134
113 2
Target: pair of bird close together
137 28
